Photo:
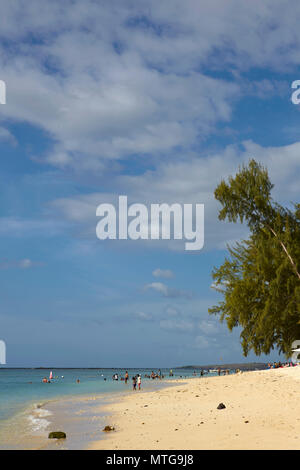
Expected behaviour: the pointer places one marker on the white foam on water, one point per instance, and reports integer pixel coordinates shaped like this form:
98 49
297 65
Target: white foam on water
37 419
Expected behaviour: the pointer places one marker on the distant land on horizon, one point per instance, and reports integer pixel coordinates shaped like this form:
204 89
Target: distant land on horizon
242 366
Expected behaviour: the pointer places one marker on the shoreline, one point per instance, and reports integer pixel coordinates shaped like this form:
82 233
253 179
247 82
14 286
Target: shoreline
173 414
81 416
29 427
262 410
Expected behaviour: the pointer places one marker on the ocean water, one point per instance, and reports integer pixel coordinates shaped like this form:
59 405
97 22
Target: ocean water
28 406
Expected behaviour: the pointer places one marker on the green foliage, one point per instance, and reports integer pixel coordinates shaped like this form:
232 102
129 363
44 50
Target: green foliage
260 280
247 196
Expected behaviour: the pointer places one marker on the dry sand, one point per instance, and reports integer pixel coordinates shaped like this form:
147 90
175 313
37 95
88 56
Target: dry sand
262 412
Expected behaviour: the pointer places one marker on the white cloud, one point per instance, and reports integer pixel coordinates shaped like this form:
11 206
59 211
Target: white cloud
208 327
7 136
172 311
179 325
192 180
108 106
166 291
105 86
164 273
144 316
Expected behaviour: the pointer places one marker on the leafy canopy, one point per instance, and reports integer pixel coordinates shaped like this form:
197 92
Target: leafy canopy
260 280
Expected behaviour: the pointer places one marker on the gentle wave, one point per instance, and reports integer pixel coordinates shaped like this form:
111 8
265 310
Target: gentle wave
37 418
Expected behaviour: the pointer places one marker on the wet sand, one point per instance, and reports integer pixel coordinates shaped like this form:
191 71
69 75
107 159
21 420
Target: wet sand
82 418
262 412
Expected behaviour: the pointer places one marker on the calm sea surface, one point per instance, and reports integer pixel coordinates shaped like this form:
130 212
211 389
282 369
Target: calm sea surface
25 401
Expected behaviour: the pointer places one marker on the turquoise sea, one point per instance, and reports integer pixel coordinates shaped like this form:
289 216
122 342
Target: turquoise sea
29 407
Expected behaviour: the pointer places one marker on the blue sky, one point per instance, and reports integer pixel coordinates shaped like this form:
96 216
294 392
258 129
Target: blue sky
154 101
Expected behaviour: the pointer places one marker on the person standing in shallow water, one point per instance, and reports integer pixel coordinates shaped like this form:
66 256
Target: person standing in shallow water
126 377
139 381
134 383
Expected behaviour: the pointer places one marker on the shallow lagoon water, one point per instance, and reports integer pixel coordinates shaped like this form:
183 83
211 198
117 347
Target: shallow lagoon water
30 409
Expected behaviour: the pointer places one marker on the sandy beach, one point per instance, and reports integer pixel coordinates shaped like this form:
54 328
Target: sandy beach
262 412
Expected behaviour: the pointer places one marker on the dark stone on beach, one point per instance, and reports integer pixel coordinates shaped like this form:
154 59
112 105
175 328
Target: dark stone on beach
57 435
221 406
108 428
246 422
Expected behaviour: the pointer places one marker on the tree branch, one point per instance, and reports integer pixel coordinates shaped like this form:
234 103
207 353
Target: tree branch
286 251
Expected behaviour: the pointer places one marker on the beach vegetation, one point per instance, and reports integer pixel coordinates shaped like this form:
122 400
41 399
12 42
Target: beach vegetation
259 279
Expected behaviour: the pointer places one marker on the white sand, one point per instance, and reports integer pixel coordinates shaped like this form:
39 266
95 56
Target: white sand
262 412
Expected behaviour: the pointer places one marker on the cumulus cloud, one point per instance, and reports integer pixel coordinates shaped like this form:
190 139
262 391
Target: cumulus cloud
144 316
130 95
105 86
164 273
7 136
191 180
172 311
98 103
166 291
208 327
177 325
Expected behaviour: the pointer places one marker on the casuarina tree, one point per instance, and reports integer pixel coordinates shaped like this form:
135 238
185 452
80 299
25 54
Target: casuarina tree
259 279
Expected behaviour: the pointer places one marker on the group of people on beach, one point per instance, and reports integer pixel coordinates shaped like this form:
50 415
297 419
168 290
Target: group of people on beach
279 365
137 379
